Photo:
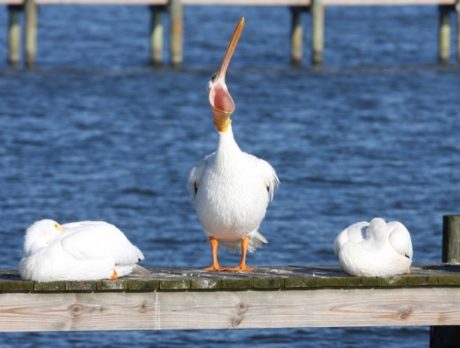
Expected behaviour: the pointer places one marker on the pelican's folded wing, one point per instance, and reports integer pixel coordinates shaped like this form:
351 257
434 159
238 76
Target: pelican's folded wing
271 180
400 239
100 240
196 173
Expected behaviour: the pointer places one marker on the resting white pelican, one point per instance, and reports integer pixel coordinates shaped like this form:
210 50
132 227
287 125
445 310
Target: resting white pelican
86 250
231 189
375 249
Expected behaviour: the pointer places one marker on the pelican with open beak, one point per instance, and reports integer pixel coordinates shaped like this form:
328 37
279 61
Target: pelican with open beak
230 189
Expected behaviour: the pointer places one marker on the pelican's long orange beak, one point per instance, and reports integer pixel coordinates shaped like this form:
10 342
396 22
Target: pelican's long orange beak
220 99
231 48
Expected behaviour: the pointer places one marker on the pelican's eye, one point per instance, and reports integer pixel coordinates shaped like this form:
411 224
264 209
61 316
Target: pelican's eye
211 81
58 227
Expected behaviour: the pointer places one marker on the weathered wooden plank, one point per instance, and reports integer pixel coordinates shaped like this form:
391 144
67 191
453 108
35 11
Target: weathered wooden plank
266 278
248 2
89 2
142 285
326 2
229 309
387 2
245 2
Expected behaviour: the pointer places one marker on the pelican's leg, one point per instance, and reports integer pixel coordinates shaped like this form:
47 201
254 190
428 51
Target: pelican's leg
215 267
242 266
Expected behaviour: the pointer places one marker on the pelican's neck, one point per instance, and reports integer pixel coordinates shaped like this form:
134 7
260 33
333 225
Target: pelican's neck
227 144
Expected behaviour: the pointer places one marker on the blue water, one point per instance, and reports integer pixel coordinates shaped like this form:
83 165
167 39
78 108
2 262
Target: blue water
95 133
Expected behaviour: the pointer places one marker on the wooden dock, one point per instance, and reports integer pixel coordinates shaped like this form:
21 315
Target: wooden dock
175 10
270 297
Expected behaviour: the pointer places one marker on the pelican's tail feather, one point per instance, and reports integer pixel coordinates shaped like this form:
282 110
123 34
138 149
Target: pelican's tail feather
257 239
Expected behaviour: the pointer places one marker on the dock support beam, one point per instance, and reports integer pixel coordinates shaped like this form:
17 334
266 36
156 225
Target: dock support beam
156 35
31 31
317 13
451 239
14 34
296 35
448 336
444 33
176 32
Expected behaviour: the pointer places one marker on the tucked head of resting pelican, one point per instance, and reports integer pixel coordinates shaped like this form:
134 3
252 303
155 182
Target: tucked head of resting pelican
221 101
40 234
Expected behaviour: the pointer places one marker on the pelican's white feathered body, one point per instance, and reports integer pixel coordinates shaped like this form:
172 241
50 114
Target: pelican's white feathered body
231 190
377 249
87 250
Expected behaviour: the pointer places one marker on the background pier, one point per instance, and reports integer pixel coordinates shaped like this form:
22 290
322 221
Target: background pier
175 8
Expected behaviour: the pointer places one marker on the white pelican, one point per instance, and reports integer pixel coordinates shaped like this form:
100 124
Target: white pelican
231 189
86 250
375 249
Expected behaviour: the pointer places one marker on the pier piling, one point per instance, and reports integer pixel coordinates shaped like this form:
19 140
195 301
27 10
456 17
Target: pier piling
448 336
317 13
176 32
156 35
444 33
296 35
451 239
30 31
14 34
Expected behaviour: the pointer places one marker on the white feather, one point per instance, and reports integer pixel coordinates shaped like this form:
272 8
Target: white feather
231 190
353 233
400 239
86 250
377 249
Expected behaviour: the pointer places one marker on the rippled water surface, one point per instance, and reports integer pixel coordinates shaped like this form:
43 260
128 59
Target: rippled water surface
95 133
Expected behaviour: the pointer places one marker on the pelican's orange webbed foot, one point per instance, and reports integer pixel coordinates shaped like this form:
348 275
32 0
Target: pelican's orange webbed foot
215 267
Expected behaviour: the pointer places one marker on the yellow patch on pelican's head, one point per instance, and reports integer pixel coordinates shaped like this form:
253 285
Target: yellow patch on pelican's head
58 227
